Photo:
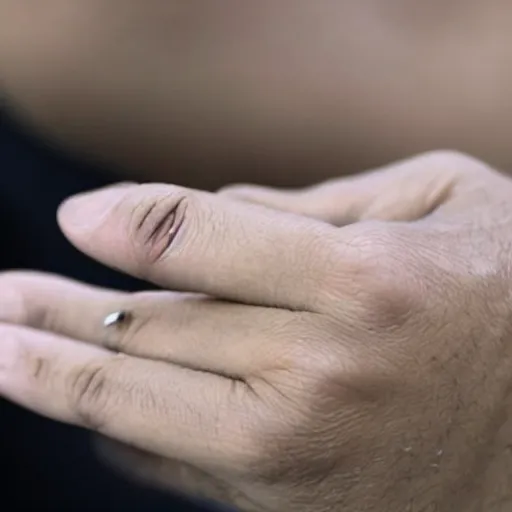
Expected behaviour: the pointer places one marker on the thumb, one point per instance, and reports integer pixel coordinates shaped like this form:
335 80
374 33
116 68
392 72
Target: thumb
404 191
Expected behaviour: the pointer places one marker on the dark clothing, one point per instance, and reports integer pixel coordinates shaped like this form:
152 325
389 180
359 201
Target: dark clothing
48 466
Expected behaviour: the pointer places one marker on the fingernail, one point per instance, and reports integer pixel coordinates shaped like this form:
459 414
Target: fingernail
88 210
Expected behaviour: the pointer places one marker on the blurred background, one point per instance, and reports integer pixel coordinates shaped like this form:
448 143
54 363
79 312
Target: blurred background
48 466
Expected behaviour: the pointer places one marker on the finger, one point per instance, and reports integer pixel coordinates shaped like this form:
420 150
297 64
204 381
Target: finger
195 241
191 331
193 416
405 191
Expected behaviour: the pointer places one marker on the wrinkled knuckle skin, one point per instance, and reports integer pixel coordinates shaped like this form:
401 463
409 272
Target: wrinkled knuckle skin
386 288
39 369
309 355
388 313
377 246
88 395
155 225
388 303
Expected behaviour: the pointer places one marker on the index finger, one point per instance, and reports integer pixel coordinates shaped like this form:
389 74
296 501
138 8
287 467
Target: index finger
195 241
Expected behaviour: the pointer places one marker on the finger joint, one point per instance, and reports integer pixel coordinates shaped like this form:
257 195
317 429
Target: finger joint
155 226
89 391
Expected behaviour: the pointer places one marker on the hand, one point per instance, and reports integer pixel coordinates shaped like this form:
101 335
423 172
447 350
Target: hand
282 92
364 368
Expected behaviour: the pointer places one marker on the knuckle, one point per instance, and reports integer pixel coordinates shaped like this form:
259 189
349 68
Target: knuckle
89 392
305 356
373 239
459 164
388 303
328 257
376 246
386 287
446 158
156 222
39 369
301 348
380 244
293 355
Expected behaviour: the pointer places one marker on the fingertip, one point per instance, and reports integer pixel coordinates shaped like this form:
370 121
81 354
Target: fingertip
87 210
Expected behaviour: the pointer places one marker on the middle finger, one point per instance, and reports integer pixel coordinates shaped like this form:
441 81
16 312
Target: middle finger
190 330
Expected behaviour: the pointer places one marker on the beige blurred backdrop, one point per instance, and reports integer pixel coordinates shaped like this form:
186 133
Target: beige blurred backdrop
284 92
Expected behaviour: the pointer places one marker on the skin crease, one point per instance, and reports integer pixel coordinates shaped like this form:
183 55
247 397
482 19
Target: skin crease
209 92
365 368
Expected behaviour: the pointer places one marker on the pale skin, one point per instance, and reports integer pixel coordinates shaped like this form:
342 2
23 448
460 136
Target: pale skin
285 92
309 368
342 348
